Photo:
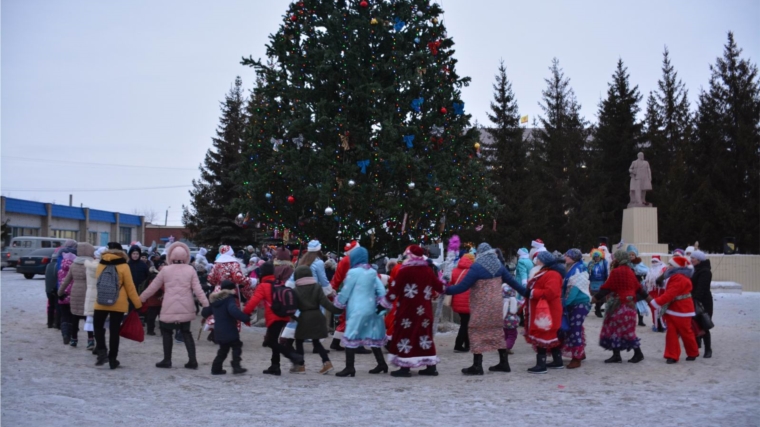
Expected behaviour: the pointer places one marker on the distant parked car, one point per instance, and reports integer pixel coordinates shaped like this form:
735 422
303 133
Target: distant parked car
35 262
21 246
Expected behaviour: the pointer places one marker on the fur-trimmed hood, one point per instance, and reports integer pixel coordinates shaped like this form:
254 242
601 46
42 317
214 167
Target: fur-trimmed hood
220 296
113 257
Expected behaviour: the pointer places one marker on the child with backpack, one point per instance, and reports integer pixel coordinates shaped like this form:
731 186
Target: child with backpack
224 305
279 304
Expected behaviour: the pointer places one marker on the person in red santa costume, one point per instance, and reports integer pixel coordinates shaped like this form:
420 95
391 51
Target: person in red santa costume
414 289
678 308
654 290
337 281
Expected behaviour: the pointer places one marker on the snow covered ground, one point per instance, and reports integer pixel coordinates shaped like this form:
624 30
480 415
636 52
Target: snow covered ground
45 383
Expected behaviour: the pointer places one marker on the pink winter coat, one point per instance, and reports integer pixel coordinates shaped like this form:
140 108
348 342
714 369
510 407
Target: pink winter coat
180 282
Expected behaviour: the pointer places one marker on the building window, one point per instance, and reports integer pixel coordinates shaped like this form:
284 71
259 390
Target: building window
92 238
23 231
125 235
66 234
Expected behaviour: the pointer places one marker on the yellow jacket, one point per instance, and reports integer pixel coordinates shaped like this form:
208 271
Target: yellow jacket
127 289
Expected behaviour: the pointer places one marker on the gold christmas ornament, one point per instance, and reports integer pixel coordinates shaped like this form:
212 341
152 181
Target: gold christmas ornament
373 21
477 146
435 20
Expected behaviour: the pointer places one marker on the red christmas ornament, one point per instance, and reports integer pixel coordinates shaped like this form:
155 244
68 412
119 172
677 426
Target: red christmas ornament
293 18
291 199
444 110
363 3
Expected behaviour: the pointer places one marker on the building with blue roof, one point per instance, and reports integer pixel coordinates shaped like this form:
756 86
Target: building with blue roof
29 218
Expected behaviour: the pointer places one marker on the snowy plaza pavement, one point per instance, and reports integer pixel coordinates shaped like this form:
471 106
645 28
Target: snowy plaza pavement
45 383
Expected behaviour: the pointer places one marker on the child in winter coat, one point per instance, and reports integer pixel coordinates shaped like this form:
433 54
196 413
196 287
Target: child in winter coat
225 307
154 302
511 318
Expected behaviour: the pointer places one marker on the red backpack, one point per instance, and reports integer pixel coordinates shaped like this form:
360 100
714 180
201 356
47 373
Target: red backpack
284 301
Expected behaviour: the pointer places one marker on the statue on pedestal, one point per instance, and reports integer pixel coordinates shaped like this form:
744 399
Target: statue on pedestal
641 182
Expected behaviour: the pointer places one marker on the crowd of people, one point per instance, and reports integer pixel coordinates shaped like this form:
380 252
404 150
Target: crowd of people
395 307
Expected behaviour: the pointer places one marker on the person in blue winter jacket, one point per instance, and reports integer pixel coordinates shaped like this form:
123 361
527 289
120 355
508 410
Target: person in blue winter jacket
225 307
524 265
598 272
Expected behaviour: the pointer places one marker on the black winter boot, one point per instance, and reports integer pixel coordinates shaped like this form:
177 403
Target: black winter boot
273 370
51 319
168 342
336 345
477 366
615 357
237 369
216 368
102 357
641 320
503 365
638 356
430 371
540 367
401 373
190 346
381 365
349 371
66 332
557 362
708 346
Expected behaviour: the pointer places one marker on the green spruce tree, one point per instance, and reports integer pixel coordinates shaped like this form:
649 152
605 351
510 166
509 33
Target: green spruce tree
725 191
506 159
667 135
559 166
211 216
363 117
614 146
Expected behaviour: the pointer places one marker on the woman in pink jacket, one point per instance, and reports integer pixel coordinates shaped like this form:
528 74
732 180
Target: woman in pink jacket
180 282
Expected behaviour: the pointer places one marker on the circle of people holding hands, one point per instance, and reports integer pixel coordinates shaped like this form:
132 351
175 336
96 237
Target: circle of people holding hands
549 294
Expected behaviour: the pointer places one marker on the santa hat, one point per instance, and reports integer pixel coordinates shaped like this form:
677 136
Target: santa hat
656 258
538 244
680 262
414 252
351 246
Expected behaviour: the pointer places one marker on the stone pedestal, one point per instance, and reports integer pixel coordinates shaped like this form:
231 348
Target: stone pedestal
640 229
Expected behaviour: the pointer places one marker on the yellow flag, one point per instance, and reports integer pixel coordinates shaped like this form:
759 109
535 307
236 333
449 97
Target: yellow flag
523 119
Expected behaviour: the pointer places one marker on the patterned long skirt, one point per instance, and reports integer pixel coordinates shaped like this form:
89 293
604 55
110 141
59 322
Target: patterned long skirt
486 322
575 339
619 329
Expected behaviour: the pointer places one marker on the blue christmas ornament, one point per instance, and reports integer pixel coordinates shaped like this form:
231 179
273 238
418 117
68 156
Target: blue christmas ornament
268 196
459 108
475 205
417 104
417 40
398 24
409 139
363 164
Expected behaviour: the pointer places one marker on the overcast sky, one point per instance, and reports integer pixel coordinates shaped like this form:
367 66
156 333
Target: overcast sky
91 86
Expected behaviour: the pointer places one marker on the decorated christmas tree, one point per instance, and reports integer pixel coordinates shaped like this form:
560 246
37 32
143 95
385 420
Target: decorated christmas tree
360 131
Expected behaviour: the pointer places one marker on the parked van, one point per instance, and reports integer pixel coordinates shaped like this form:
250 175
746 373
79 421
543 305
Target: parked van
21 246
